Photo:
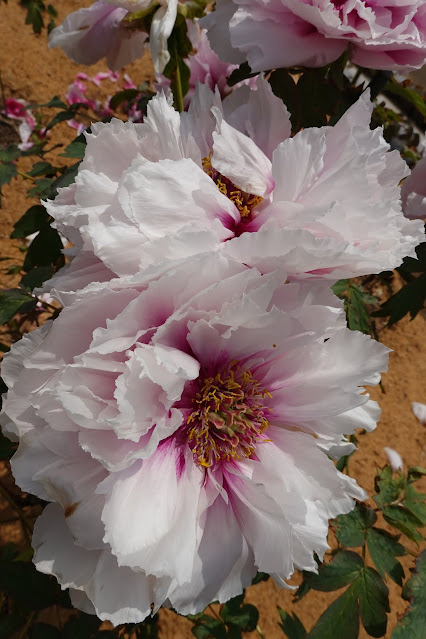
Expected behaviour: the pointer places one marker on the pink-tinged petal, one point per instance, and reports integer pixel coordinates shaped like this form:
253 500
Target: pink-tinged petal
56 554
89 34
259 114
413 192
419 411
237 156
394 459
151 513
161 27
217 24
223 565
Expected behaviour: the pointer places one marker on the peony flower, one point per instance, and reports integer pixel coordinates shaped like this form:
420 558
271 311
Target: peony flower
228 177
15 110
394 459
182 432
204 65
285 33
413 192
101 30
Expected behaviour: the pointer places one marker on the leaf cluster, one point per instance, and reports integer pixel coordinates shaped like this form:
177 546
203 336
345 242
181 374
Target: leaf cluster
357 305
234 618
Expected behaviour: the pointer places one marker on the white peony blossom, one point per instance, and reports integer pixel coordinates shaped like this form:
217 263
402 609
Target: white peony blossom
228 177
182 431
394 459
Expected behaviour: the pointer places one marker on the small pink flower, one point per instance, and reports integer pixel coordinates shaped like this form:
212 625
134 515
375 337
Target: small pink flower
286 33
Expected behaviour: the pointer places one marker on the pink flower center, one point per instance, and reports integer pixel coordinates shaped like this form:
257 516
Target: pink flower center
245 202
229 417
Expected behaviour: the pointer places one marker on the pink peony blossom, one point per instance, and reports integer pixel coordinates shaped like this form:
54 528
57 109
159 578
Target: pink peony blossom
413 192
182 432
15 110
90 34
285 33
228 177
204 64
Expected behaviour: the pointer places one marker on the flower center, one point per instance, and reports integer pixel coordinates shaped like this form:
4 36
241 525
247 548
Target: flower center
245 202
228 417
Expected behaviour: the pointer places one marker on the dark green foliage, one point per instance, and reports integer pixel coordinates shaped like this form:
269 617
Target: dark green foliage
291 625
7 448
35 11
14 301
384 548
340 620
33 220
30 588
8 156
351 529
242 73
357 304
413 624
412 296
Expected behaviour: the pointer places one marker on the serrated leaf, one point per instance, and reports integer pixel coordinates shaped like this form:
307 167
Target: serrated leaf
21 581
415 502
340 287
32 221
402 519
373 602
340 620
9 153
291 625
7 172
413 624
14 301
260 576
351 528
76 149
415 473
343 569
41 168
67 178
384 548
237 613
388 486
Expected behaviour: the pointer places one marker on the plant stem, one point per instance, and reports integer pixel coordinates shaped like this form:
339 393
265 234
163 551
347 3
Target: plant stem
214 613
259 632
27 625
26 525
179 95
25 175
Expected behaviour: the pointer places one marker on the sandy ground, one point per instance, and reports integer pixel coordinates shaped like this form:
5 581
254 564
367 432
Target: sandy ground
29 70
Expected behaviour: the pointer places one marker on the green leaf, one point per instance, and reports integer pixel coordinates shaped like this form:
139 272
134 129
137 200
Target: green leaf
395 88
7 172
340 287
413 624
402 519
340 620
7 448
127 95
41 168
388 486
45 250
34 219
10 624
207 627
9 153
14 301
285 88
415 473
67 178
44 631
179 47
260 576
21 581
409 299
343 569
351 528
373 602
415 502
237 613
34 14
384 548
76 149
291 625
36 277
